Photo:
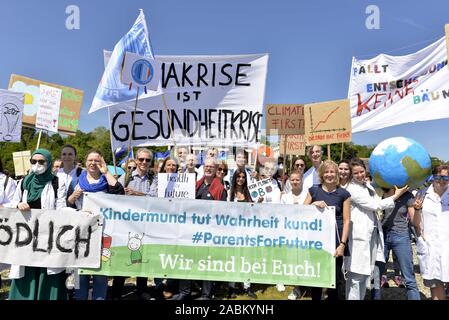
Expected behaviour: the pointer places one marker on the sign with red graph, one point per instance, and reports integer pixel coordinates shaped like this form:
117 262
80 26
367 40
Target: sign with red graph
328 122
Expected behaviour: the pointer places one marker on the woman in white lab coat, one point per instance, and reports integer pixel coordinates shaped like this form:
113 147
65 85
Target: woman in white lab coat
431 221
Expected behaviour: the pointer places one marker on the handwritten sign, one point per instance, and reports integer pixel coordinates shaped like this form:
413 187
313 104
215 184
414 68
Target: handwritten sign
48 111
296 144
285 119
70 106
261 188
328 122
176 185
11 109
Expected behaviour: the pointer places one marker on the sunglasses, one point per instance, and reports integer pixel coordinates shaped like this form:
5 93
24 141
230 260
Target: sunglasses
222 169
41 162
438 177
299 165
144 160
131 168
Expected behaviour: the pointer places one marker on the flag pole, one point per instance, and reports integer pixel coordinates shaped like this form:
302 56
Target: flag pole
114 160
133 120
169 121
342 148
285 156
329 152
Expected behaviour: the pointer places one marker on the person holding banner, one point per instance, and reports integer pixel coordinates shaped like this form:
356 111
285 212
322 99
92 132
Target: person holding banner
209 187
295 195
240 193
137 182
329 193
38 190
7 188
96 178
69 172
365 238
431 220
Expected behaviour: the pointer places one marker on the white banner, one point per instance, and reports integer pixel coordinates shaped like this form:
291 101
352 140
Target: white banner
390 90
11 110
213 100
47 116
176 185
50 238
215 240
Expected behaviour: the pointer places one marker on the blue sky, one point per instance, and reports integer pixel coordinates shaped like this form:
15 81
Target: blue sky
311 44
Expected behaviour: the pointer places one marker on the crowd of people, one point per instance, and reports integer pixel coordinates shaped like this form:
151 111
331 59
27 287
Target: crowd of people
369 222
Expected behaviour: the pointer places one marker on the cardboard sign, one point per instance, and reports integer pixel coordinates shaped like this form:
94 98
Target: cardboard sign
21 161
296 144
285 119
11 110
176 185
70 106
328 122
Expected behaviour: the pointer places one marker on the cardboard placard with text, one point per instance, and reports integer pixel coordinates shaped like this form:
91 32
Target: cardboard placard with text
70 106
296 144
285 119
328 122
21 161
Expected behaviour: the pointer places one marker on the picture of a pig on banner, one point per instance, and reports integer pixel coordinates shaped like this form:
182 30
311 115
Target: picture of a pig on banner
190 239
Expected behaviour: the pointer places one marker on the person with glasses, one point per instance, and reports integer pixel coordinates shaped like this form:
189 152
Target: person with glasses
139 180
38 190
96 178
365 238
431 220
222 171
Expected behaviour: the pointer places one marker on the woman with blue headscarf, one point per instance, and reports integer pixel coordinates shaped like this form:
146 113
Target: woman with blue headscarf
38 190
95 178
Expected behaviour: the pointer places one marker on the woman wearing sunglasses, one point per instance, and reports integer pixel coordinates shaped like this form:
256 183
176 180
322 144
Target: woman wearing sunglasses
38 190
431 221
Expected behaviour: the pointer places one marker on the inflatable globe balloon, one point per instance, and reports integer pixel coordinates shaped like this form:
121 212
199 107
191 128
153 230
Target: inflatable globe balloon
398 162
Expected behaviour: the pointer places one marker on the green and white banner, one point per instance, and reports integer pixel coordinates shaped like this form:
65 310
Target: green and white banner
215 240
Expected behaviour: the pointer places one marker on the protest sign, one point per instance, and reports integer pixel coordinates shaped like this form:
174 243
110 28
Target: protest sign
296 144
262 188
11 110
328 122
284 119
390 90
21 161
211 100
70 106
223 241
176 185
48 110
50 238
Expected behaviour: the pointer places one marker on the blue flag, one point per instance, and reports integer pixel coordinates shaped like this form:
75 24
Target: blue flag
110 90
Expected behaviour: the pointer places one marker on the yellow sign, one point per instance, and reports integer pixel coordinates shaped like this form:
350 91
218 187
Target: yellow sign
69 110
328 122
296 144
21 161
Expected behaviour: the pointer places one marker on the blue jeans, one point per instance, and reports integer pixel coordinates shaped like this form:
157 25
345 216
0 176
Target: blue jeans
402 248
100 288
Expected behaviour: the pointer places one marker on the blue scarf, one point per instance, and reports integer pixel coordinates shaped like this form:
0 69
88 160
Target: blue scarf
102 185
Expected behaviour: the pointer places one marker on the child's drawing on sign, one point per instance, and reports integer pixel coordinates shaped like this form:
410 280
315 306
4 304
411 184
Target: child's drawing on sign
106 250
134 244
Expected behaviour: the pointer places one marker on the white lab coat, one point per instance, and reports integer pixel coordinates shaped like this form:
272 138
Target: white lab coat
433 252
363 217
6 192
48 201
